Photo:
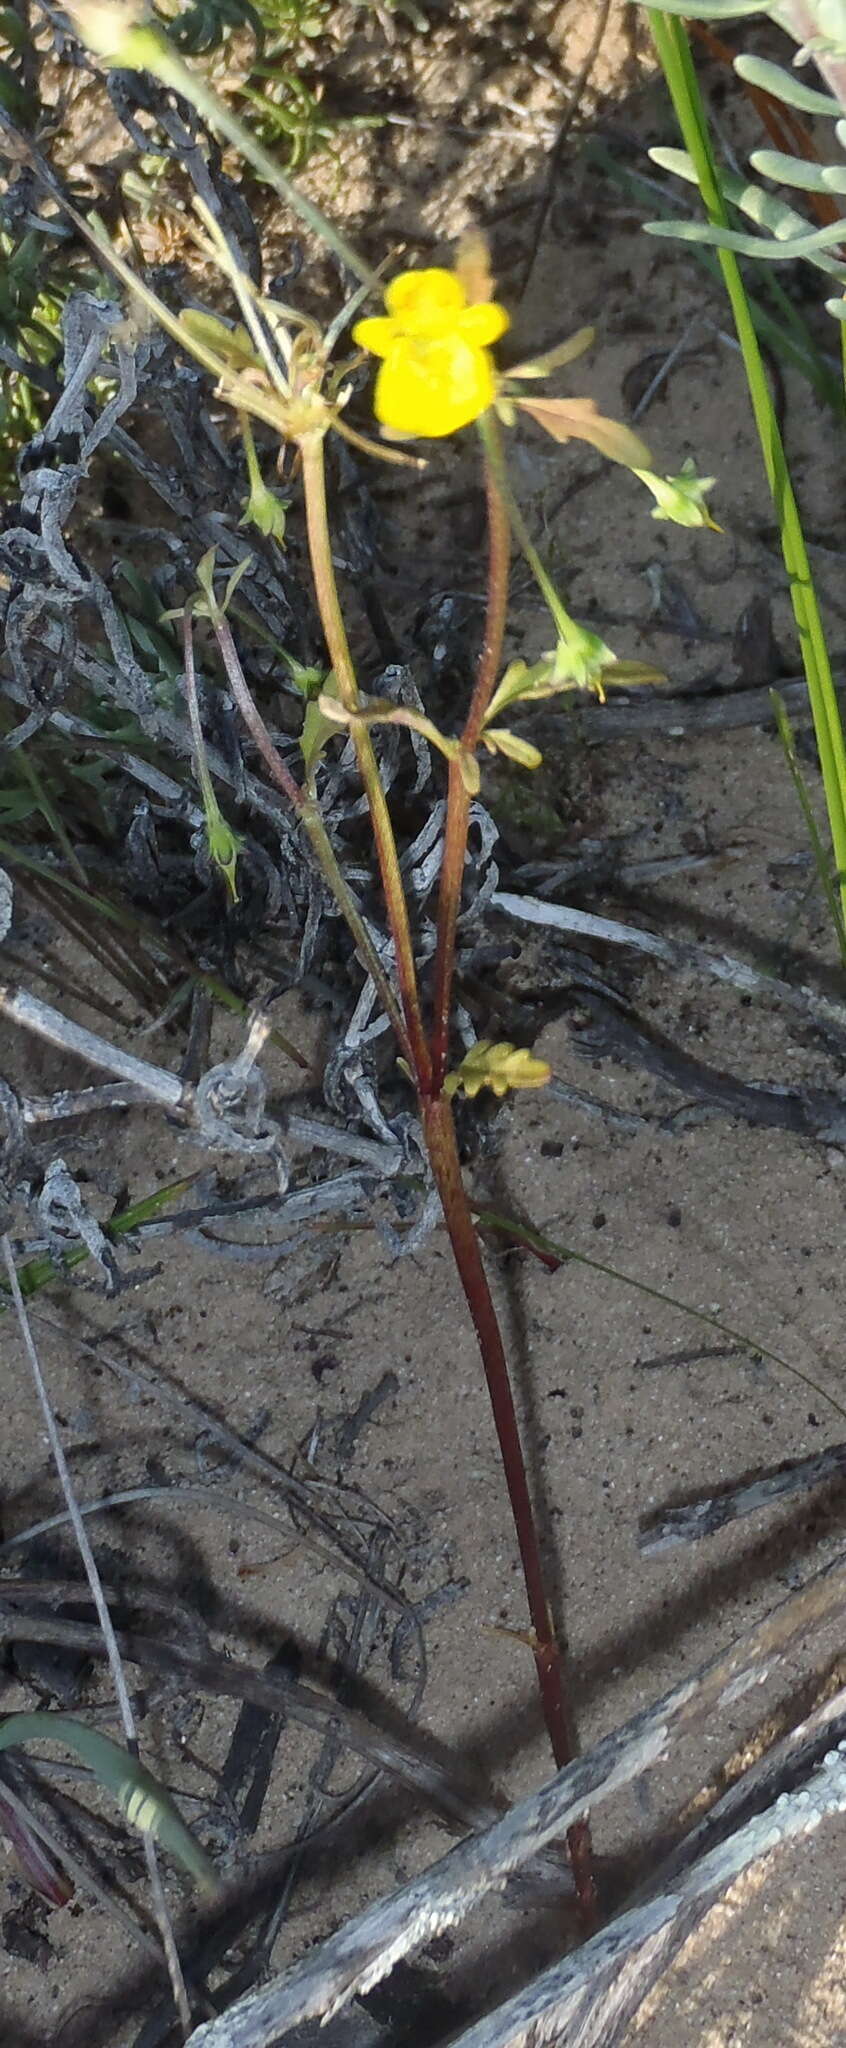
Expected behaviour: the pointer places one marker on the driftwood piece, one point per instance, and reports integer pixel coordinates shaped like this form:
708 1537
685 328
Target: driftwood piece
674 716
545 2010
674 953
689 1521
365 1951
807 1112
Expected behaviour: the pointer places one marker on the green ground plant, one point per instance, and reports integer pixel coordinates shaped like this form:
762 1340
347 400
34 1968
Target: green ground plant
276 371
782 235
437 377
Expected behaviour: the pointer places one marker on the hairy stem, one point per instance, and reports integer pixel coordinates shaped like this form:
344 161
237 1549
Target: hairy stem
458 800
326 592
439 1132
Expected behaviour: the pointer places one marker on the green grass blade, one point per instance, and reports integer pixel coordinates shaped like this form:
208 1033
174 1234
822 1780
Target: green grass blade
41 1272
821 859
146 1803
674 51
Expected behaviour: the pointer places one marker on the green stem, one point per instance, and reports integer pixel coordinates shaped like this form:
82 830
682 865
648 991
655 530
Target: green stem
670 37
458 798
254 475
819 851
565 626
439 1132
412 1036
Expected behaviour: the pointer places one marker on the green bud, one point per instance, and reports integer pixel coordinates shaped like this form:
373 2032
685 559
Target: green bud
224 844
265 510
580 657
681 498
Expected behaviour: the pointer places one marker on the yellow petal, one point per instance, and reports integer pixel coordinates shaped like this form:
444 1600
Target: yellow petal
378 335
481 325
425 300
432 388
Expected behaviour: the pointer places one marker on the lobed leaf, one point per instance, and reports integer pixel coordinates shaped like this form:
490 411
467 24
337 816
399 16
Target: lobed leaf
499 740
500 1067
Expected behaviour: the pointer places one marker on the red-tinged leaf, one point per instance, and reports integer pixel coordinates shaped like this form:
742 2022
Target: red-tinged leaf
39 1867
579 419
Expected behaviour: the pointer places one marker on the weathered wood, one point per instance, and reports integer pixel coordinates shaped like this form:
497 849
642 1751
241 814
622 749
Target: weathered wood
691 1520
366 1950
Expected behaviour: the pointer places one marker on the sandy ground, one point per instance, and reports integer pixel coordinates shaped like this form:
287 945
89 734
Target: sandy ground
626 1402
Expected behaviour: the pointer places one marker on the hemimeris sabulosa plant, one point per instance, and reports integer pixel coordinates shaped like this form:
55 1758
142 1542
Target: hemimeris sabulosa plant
437 377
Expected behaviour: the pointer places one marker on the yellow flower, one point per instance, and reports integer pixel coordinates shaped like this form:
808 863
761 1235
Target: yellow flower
436 374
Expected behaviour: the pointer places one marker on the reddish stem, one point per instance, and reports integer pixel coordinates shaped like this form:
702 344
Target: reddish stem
439 1131
429 1061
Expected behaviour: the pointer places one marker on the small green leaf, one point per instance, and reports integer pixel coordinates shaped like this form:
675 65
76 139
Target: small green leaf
499 1067
318 726
785 86
381 711
233 581
204 603
521 684
232 344
499 740
747 245
556 358
796 170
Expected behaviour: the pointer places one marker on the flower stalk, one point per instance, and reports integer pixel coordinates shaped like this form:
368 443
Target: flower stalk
458 798
442 1149
428 1059
412 1037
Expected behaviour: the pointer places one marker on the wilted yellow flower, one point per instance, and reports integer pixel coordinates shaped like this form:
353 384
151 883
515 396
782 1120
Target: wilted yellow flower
437 374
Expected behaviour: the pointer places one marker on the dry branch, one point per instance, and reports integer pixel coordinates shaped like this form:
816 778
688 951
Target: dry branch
368 1948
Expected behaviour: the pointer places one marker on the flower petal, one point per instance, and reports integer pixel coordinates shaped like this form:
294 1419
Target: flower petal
418 298
433 387
377 334
481 325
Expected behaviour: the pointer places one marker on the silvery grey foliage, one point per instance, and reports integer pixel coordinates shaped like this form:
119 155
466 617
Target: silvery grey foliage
818 27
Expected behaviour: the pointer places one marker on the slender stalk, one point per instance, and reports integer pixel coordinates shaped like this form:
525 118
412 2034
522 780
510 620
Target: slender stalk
326 592
458 798
670 37
308 811
439 1132
819 851
435 1107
